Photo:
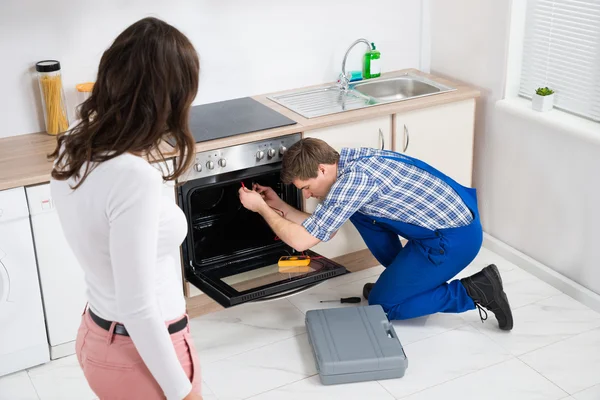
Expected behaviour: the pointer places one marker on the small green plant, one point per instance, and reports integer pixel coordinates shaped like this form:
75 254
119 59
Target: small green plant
544 91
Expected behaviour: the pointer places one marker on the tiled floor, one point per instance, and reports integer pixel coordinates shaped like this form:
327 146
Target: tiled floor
261 352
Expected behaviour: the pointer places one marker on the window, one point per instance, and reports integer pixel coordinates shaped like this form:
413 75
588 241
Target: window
562 51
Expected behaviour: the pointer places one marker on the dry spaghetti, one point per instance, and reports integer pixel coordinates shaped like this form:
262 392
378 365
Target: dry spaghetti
53 100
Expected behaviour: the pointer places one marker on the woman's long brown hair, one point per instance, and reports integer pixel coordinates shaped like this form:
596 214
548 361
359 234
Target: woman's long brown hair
146 83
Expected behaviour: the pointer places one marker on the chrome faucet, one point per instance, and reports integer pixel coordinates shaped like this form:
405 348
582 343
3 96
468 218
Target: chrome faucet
344 79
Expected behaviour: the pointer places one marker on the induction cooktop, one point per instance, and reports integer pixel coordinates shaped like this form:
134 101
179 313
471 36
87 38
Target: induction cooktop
233 117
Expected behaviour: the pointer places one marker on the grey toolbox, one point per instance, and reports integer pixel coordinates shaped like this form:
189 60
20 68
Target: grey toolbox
353 344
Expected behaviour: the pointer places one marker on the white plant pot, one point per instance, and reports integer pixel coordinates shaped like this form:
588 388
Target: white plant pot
542 103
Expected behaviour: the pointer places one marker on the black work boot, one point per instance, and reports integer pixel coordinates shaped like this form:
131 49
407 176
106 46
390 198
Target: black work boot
367 289
485 288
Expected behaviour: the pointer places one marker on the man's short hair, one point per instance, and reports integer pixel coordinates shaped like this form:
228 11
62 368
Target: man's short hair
301 161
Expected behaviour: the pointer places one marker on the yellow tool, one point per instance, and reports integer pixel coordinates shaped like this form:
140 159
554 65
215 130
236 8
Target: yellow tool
294 264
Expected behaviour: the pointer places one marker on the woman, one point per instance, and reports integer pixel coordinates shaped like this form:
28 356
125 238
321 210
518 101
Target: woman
134 340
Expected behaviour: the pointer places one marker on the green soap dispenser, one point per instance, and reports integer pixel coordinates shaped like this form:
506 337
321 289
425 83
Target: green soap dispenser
372 63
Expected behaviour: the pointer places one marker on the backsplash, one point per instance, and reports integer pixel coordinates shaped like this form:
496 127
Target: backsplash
246 48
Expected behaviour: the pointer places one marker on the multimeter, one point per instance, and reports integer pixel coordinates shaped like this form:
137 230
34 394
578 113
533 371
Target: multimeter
294 261
294 264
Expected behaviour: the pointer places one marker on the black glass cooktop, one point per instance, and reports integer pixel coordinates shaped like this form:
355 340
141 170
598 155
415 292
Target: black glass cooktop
233 117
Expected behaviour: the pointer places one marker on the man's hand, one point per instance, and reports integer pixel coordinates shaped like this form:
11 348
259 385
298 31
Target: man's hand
251 200
265 201
271 198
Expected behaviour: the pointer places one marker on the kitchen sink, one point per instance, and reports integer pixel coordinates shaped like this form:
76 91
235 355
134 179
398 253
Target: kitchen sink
362 94
318 102
395 89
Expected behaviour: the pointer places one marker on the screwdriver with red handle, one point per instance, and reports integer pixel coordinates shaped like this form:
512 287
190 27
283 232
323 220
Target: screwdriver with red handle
344 300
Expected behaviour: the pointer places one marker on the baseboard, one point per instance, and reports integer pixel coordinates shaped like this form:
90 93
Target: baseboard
547 274
62 350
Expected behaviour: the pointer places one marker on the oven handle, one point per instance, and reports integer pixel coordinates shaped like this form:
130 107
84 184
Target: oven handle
287 293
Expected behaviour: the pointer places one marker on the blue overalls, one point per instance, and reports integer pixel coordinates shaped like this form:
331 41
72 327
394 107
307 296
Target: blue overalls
414 281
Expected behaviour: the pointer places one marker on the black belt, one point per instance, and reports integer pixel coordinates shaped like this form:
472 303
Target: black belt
120 329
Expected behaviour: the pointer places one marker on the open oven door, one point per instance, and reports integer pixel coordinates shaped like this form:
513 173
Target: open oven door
259 278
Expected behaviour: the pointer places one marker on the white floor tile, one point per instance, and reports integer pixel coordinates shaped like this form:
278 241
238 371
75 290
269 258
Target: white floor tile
17 386
444 357
572 364
207 393
483 259
312 388
261 370
414 330
509 380
61 380
372 273
239 329
261 350
539 324
311 299
592 393
523 289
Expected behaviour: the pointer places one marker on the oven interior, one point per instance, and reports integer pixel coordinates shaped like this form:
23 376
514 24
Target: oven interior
222 229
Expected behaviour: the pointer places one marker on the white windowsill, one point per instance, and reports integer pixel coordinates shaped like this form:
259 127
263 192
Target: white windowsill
554 119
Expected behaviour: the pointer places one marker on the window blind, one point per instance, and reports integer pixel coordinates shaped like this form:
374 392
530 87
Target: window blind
562 51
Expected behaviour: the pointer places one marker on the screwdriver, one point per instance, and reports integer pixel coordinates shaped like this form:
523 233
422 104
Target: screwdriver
344 300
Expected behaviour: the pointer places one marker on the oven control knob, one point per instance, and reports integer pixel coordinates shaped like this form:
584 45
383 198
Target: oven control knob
282 150
222 163
271 153
198 167
210 165
260 155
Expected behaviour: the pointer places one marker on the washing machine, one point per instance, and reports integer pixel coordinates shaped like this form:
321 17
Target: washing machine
23 340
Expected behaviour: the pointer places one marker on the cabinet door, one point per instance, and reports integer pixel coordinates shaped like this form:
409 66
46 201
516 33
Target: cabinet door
61 277
442 136
374 133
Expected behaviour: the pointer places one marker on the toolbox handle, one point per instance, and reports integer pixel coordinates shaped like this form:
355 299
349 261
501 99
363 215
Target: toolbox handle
389 330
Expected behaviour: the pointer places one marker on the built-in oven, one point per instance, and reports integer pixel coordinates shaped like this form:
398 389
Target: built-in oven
230 253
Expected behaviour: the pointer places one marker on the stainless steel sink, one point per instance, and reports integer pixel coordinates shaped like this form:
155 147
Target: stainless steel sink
395 89
318 102
331 100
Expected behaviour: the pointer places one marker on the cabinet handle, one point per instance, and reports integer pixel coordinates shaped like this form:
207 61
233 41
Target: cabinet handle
382 139
407 138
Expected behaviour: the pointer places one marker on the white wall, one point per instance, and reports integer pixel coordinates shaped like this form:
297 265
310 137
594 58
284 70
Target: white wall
537 180
246 47
469 43
545 190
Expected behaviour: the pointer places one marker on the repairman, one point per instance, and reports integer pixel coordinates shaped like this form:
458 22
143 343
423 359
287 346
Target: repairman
387 195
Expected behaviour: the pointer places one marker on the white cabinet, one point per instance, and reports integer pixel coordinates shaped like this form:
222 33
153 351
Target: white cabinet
374 133
442 136
61 278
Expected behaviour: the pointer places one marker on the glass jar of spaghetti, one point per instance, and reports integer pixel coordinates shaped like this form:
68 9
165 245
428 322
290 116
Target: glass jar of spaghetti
53 96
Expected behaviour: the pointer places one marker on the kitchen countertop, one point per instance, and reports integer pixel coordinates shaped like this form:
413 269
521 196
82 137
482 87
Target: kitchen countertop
23 158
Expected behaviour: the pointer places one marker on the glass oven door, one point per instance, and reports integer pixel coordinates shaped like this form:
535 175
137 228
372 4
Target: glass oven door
258 276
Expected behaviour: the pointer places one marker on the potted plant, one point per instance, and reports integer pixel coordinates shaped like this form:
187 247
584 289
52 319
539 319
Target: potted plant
543 99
